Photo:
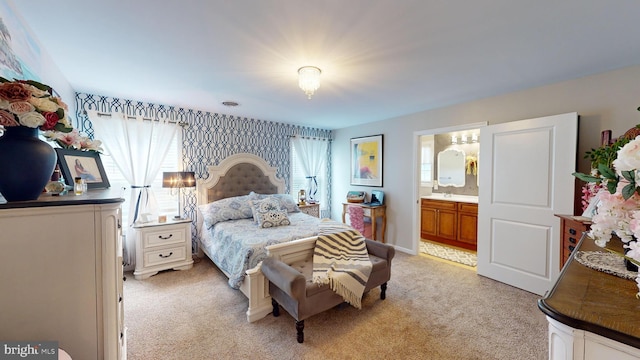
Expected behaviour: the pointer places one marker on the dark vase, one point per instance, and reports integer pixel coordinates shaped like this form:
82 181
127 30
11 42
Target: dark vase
26 163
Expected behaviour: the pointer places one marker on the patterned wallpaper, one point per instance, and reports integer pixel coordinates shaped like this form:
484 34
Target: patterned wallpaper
209 138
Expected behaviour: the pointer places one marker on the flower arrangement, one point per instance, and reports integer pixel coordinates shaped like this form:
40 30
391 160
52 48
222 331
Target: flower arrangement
31 104
616 173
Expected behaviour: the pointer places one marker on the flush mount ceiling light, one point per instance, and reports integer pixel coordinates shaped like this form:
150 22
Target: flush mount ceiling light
309 79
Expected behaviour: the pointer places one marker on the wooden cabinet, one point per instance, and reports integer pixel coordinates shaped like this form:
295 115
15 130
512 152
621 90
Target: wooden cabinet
449 222
571 229
62 265
468 223
162 246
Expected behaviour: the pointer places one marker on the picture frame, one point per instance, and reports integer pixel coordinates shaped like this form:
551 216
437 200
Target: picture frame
366 160
84 164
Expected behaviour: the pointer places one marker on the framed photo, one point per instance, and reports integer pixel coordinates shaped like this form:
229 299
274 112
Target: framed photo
366 160
84 164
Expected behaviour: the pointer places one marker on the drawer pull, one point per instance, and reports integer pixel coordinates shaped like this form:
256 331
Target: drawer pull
165 256
572 231
165 237
572 240
571 247
120 299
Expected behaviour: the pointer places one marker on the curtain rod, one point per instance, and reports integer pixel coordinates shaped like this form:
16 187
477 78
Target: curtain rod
311 138
183 124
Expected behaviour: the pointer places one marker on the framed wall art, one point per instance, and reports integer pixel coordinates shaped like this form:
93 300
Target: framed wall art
366 160
83 164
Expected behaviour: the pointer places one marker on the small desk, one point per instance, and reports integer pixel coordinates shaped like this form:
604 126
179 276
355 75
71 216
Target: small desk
374 212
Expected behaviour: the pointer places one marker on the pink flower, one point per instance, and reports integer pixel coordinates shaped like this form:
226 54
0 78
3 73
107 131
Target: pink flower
7 119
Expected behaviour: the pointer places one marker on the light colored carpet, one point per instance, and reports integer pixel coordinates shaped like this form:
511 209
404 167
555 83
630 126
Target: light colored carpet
448 253
433 310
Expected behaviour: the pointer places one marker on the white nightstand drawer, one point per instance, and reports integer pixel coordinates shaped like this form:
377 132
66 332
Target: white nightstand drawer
164 256
163 236
162 246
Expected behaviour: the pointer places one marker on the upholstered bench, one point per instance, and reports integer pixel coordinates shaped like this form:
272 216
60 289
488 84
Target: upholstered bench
291 285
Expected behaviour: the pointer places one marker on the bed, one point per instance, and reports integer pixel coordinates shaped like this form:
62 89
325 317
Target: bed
230 235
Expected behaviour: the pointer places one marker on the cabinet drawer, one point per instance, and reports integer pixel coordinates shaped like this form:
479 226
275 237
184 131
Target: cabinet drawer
468 207
163 236
158 257
440 204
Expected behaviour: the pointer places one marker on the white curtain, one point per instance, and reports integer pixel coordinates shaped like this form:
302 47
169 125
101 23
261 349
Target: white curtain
313 154
138 148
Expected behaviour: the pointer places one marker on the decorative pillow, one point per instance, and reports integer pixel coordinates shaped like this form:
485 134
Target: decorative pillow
286 201
233 208
268 213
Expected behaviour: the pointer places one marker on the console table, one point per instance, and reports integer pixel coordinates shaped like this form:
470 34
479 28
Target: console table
591 314
376 211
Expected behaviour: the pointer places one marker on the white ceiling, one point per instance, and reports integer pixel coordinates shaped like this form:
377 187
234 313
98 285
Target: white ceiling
379 58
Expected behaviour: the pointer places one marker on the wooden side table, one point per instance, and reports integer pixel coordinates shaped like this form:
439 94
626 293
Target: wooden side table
571 228
310 209
162 246
377 211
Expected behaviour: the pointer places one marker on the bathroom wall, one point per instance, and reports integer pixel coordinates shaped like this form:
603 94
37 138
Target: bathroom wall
443 142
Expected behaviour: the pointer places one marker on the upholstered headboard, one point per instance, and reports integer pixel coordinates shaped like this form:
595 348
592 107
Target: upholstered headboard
239 174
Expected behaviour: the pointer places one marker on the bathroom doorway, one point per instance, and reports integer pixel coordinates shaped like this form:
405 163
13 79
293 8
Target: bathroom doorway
447 192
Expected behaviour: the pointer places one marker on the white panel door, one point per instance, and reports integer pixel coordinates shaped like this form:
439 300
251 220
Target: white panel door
525 178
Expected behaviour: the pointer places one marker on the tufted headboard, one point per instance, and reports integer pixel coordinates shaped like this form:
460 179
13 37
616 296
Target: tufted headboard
236 175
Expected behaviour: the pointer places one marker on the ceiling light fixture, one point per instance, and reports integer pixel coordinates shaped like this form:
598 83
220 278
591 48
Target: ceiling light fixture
309 79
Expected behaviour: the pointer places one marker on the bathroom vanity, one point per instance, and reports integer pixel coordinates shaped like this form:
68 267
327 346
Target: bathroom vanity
450 219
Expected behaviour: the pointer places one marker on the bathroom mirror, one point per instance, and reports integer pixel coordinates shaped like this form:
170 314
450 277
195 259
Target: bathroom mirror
451 170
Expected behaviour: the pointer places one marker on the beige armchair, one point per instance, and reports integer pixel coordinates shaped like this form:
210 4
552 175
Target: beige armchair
291 286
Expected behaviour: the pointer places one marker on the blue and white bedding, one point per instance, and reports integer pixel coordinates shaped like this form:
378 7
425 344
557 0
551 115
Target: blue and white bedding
238 245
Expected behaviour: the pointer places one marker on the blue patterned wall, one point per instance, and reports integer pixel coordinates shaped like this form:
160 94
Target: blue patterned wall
209 138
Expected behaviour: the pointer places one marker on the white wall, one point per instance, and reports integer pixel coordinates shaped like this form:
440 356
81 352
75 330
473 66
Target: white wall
49 72
604 101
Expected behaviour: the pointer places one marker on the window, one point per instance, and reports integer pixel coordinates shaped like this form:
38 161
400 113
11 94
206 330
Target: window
299 178
426 160
167 200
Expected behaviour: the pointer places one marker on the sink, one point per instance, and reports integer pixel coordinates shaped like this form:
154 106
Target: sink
452 197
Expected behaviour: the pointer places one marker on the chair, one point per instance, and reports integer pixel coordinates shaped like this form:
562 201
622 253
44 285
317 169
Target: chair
291 286
357 220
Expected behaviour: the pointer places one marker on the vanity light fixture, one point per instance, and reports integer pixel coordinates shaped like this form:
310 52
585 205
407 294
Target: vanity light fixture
454 140
309 79
474 138
463 139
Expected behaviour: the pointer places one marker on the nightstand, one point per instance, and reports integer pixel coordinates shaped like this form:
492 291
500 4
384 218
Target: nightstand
311 209
162 246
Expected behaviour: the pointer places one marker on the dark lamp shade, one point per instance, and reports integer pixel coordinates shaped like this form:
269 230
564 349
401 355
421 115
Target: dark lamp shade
179 179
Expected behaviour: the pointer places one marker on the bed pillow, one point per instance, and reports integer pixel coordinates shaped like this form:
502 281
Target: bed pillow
233 208
286 201
268 213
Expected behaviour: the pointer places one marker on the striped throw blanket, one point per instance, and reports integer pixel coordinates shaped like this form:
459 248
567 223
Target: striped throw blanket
342 261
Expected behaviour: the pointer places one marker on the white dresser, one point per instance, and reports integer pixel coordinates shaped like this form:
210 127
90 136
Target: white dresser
61 274
592 315
162 246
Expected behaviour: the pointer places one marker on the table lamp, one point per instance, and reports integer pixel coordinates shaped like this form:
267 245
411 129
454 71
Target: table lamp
178 180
